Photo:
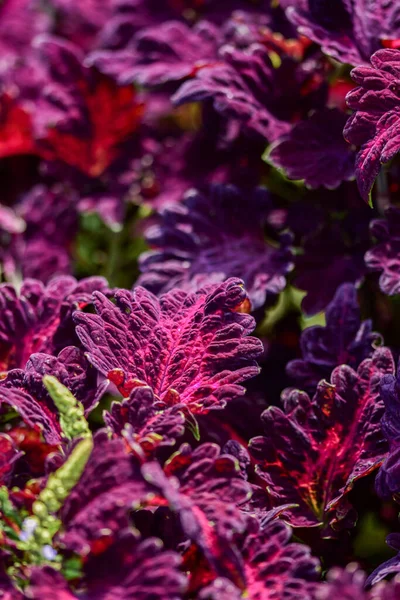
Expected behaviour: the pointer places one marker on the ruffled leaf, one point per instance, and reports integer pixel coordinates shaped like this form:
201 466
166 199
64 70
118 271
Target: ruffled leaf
212 236
190 349
375 126
344 340
317 448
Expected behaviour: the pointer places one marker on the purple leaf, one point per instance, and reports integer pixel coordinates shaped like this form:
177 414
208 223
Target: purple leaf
210 237
348 31
276 568
131 569
168 52
384 256
316 449
245 86
25 392
207 501
344 340
98 506
38 318
190 349
315 151
388 479
149 427
375 126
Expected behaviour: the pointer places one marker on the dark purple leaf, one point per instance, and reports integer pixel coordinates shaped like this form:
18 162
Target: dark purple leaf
315 151
344 340
214 235
375 126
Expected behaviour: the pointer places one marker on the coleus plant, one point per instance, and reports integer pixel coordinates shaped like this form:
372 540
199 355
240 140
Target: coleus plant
200 157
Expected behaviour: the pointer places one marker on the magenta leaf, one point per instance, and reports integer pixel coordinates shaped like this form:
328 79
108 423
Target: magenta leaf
315 449
275 568
24 391
314 150
207 502
190 349
38 318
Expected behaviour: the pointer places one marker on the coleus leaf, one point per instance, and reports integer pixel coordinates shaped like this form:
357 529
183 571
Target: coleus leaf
202 487
38 318
375 126
20 22
315 449
209 237
344 340
146 425
81 117
165 53
351 584
190 349
315 151
8 455
131 569
348 31
97 508
207 500
16 129
25 392
245 86
384 257
388 478
43 250
273 569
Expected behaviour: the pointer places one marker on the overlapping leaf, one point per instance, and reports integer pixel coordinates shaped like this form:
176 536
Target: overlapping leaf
315 151
24 391
315 449
344 340
38 318
348 31
131 569
375 126
210 237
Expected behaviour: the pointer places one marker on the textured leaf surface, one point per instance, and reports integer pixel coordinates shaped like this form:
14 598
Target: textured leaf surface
314 450
375 126
82 117
275 568
24 390
388 479
98 507
139 416
207 502
215 235
348 31
168 52
344 340
38 318
131 569
245 86
384 257
189 348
